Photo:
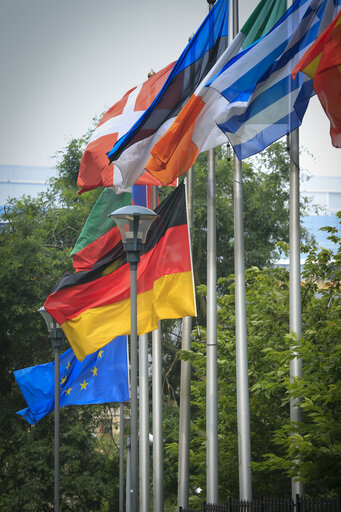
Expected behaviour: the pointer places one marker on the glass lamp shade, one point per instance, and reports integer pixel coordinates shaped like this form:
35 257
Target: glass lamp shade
133 222
50 322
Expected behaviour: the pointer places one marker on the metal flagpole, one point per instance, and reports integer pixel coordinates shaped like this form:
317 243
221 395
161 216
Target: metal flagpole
144 423
128 477
57 345
295 279
133 389
121 490
184 416
57 336
211 343
185 380
157 422
243 414
294 275
157 405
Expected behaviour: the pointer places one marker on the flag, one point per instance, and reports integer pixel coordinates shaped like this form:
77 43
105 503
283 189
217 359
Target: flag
100 232
100 378
142 196
263 102
322 62
131 152
95 170
93 307
194 130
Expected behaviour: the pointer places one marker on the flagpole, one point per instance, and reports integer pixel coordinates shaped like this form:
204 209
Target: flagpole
185 380
128 476
184 416
57 345
144 424
295 281
121 490
211 343
157 422
243 413
133 389
295 276
157 404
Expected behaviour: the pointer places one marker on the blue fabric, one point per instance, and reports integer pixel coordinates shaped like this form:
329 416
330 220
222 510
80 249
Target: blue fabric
101 377
260 77
213 29
140 195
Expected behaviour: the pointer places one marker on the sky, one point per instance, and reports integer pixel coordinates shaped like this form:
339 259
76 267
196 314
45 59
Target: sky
64 62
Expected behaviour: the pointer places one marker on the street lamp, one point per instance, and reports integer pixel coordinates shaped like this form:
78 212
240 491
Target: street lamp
57 335
134 223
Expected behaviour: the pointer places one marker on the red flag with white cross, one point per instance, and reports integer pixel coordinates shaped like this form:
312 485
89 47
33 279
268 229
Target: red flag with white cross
95 169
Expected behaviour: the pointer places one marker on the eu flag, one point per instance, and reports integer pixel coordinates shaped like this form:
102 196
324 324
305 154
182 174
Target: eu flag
101 377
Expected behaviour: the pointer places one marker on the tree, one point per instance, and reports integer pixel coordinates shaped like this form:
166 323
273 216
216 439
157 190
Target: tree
34 248
266 211
275 441
315 442
35 244
266 219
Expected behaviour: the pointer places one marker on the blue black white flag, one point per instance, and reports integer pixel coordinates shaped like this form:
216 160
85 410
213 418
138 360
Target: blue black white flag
131 152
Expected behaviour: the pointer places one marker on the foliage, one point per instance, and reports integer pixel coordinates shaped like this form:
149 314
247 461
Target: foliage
315 441
266 207
35 243
275 441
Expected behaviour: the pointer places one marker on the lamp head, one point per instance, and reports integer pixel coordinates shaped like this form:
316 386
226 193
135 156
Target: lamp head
53 328
50 322
134 223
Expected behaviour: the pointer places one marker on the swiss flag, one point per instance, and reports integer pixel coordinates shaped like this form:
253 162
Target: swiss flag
95 169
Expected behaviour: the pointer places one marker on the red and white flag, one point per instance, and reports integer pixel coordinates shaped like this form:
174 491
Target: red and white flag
95 169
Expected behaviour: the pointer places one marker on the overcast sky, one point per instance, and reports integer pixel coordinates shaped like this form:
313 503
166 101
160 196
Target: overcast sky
64 62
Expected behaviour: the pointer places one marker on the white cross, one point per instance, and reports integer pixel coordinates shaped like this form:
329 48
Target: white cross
121 123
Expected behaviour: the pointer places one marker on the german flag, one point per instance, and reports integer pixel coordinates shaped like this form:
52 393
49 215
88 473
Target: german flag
93 307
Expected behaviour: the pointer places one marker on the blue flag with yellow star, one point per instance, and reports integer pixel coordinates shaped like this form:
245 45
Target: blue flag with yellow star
101 377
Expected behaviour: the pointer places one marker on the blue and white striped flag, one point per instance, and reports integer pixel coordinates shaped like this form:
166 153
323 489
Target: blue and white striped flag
263 102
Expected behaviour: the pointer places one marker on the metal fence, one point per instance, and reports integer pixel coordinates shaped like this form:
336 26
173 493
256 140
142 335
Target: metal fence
263 504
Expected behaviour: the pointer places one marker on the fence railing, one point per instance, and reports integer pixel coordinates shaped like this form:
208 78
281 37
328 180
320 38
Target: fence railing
265 504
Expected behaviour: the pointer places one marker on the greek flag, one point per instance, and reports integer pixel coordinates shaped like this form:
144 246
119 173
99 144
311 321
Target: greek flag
263 102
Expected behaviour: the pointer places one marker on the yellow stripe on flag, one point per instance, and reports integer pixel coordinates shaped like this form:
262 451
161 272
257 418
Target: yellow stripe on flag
96 327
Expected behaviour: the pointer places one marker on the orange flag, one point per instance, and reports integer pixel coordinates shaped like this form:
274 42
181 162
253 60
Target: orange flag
322 62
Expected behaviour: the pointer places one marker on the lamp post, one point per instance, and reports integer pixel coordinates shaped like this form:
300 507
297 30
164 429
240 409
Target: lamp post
57 335
134 223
